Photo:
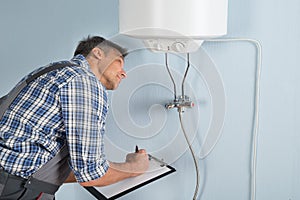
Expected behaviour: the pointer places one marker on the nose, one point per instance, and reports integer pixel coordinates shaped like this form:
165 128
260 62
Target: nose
123 74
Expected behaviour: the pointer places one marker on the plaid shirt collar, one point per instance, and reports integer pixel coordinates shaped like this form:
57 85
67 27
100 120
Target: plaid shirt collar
82 61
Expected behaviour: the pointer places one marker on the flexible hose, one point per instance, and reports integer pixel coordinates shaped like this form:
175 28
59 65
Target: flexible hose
180 111
193 155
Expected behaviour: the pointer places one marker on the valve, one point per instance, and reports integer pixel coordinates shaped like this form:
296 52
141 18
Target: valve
180 103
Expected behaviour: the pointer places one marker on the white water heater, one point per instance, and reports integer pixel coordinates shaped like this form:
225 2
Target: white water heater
173 25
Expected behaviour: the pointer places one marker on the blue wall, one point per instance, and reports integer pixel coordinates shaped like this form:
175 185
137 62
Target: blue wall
34 33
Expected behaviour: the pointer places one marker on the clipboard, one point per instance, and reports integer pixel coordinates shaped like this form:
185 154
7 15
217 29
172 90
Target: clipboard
157 169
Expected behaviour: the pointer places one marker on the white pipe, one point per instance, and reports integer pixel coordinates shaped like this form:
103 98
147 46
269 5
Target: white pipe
255 125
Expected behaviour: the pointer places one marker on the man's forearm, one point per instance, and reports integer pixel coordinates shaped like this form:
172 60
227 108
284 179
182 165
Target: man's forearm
135 164
116 172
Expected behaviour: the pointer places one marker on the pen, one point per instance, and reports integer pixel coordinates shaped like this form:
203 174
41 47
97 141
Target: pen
136 149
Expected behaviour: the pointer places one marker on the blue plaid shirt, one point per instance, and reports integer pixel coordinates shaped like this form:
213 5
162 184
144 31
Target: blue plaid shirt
68 104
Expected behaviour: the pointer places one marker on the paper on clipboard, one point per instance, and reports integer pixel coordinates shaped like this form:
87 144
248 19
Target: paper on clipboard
157 169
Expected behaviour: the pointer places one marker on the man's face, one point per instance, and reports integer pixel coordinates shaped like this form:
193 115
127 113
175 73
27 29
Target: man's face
112 70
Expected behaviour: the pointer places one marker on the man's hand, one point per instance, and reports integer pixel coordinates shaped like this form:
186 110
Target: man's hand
138 161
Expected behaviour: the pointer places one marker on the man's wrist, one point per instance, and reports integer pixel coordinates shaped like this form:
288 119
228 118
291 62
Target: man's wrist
126 168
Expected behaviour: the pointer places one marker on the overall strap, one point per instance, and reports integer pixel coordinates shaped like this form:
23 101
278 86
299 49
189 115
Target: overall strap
51 175
6 100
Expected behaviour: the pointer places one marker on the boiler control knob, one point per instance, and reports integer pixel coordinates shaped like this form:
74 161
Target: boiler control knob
178 46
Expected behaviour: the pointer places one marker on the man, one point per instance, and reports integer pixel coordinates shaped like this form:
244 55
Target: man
61 116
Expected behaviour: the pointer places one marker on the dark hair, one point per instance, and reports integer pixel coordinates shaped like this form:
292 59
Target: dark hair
86 45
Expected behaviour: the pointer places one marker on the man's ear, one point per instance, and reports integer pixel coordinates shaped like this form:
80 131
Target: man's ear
98 53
